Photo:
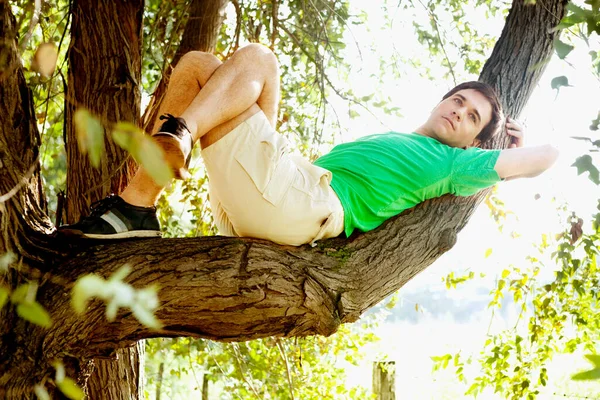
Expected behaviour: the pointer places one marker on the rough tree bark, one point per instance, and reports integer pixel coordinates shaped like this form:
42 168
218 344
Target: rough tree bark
232 288
119 377
24 225
104 77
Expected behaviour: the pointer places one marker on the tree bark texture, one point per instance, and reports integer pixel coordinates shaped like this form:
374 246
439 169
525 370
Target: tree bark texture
24 225
22 208
520 58
104 77
120 377
233 289
200 33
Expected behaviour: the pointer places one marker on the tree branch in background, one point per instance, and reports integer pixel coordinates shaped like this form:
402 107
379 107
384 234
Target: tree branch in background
275 22
204 23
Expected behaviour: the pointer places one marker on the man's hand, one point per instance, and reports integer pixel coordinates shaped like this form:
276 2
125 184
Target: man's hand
519 162
515 129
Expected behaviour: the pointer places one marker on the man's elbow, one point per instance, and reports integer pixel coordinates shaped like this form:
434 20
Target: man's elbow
549 155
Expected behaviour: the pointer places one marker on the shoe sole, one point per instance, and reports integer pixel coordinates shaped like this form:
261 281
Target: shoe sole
110 236
177 159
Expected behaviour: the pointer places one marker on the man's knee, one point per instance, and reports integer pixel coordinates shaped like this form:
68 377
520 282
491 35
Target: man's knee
197 61
258 54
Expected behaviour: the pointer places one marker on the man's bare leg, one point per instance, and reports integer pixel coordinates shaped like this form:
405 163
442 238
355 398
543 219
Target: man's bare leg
249 77
214 98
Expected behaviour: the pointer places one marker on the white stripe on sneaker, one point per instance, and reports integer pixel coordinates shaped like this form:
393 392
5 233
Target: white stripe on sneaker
114 221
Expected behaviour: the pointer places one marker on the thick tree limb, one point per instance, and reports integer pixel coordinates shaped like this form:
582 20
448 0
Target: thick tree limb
236 289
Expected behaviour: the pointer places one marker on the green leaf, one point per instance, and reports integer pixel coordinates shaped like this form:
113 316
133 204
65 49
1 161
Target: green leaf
4 293
587 375
34 313
144 150
559 82
20 293
120 274
596 123
90 135
585 164
562 49
5 260
85 288
41 392
594 359
70 389
584 138
146 317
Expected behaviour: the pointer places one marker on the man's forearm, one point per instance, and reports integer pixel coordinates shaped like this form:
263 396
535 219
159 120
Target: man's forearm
525 162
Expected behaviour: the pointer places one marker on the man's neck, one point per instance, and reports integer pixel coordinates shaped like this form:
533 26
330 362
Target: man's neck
422 130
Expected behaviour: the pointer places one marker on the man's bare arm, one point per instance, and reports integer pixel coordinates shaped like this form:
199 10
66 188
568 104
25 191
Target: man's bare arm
525 162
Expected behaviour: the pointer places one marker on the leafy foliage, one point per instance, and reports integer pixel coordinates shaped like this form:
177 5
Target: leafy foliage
465 48
303 368
514 362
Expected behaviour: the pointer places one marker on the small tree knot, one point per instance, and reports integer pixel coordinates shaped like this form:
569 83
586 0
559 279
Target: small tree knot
447 240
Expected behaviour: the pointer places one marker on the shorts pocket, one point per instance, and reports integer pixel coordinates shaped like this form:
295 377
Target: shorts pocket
311 179
269 167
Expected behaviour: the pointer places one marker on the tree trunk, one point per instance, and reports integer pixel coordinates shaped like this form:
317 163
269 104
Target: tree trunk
121 378
201 33
227 289
24 225
22 204
104 77
384 380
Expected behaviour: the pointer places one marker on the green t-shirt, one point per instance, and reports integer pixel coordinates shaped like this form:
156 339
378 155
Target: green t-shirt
379 176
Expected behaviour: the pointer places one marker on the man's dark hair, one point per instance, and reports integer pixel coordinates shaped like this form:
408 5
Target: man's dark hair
489 93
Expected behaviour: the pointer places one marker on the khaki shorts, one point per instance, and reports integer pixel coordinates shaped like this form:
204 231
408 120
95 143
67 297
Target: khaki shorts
257 189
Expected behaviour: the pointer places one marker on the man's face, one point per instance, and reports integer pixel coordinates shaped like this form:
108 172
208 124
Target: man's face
457 120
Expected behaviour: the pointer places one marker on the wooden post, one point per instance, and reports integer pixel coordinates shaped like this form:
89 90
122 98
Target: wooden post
384 380
205 385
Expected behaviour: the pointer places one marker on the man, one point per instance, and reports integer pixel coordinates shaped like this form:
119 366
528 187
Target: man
257 189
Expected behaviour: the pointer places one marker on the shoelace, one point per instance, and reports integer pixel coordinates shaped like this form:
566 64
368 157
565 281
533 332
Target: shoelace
101 206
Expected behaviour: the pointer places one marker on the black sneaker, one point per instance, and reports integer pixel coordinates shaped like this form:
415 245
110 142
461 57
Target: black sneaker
113 218
176 140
